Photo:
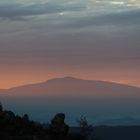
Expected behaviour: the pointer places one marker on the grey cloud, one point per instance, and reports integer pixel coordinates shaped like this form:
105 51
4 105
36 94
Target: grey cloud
123 18
75 51
15 11
90 47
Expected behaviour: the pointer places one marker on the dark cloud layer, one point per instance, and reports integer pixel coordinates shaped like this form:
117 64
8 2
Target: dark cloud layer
19 11
127 18
69 36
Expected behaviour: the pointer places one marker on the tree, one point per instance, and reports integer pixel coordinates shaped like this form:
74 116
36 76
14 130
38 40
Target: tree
25 117
1 108
58 128
85 128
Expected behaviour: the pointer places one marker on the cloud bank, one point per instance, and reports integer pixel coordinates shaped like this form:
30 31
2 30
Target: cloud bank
66 37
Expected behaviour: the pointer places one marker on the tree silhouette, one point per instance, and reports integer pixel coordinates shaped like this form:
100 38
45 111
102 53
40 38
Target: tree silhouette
1 108
85 128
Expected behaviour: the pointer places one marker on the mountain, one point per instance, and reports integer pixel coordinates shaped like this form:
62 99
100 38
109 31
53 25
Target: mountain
69 86
98 100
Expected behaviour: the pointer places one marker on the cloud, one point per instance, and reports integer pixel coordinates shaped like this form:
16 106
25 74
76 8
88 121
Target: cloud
118 19
28 8
70 36
18 10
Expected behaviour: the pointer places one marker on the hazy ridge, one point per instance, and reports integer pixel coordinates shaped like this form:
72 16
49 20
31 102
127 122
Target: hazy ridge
102 102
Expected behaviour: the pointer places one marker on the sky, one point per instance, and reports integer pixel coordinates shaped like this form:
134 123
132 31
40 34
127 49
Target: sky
89 39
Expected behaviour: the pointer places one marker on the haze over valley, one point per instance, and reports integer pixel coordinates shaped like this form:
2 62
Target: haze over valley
99 101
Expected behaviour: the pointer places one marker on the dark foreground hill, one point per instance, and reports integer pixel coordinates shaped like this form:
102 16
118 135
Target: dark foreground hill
14 127
114 132
118 133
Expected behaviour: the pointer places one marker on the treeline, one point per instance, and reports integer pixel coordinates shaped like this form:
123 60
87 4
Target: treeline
14 127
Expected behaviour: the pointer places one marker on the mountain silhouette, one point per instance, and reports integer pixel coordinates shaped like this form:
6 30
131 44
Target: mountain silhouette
75 97
69 86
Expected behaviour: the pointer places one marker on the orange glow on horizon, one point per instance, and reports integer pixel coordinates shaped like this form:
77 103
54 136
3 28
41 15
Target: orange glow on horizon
10 81
24 76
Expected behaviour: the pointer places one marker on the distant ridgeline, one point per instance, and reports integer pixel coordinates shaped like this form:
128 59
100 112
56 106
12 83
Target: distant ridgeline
14 127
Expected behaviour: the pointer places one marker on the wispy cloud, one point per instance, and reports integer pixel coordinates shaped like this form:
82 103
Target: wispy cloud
20 9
